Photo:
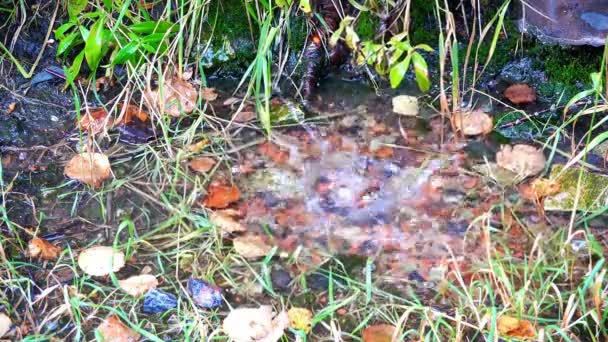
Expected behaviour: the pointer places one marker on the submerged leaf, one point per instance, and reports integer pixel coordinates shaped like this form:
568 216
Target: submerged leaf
89 168
101 260
258 325
113 329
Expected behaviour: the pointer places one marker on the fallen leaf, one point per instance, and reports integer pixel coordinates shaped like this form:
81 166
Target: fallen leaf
384 152
226 223
232 100
113 329
202 164
94 120
274 153
5 324
520 93
139 284
89 168
515 328
405 105
378 333
127 114
255 324
11 107
101 260
209 94
221 196
41 248
473 123
244 116
251 246
524 160
540 188
300 319
175 97
197 146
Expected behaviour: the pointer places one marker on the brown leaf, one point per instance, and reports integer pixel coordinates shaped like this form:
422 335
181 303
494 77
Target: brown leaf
114 330
520 94
226 223
274 153
524 160
175 97
539 188
384 152
515 328
127 114
41 248
378 333
89 168
231 101
209 94
5 324
251 246
11 107
139 284
244 116
221 196
255 324
94 120
197 146
101 260
473 123
202 164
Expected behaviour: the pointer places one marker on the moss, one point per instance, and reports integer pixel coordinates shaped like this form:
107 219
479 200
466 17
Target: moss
593 189
367 26
423 27
567 65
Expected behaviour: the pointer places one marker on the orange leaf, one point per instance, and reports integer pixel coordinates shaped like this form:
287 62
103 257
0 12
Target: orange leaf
113 329
221 196
520 93
132 111
41 248
513 327
94 120
378 333
202 164
89 168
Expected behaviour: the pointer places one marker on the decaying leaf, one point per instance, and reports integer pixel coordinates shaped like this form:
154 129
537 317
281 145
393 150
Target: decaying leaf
515 328
221 196
94 120
138 285
175 97
524 160
540 188
202 164
5 324
89 168
101 260
405 105
41 248
300 319
244 116
473 123
255 324
113 329
378 333
520 94
209 94
197 146
129 113
251 246
226 223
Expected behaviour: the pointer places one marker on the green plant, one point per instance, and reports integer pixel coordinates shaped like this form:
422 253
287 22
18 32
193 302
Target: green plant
95 35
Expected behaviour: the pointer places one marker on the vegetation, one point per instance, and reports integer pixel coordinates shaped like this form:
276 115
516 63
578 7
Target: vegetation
532 275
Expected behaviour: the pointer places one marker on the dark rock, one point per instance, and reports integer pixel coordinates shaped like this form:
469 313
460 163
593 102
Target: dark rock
204 295
281 280
158 301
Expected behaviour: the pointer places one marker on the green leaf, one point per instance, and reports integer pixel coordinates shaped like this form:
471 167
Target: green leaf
422 72
61 30
75 7
148 27
305 6
94 44
67 43
109 4
283 3
398 72
74 68
126 52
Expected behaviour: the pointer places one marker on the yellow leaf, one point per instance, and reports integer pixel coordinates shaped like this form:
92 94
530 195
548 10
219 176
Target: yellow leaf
516 328
299 318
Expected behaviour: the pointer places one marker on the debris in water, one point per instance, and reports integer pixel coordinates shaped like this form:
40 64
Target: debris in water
204 295
158 301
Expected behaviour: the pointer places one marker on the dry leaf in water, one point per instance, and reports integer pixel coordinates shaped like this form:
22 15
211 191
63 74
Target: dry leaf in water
101 260
202 164
524 160
251 246
138 285
378 333
251 324
221 196
515 328
226 223
520 94
209 94
473 123
405 105
5 324
89 168
300 319
113 329
41 248
175 97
